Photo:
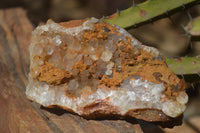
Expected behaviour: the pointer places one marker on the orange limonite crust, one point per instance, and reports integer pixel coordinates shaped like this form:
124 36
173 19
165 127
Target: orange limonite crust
141 64
101 62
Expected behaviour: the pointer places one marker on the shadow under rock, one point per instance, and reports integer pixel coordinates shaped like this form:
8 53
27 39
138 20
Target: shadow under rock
145 125
149 127
55 110
98 117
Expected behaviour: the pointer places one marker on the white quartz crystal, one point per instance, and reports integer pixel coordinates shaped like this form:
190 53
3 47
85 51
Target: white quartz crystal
56 40
109 68
61 46
148 94
106 56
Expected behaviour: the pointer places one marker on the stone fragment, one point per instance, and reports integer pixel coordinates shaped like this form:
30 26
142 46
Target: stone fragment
94 69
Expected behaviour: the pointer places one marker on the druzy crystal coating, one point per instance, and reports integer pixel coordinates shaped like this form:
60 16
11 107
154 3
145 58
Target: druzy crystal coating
91 67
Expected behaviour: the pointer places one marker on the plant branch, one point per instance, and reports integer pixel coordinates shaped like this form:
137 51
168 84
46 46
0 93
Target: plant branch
148 11
184 65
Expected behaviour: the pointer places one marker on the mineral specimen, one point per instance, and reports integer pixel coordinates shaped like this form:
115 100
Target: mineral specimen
97 69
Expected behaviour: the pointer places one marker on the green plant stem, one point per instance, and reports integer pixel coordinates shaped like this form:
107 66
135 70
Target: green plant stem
184 65
147 11
151 10
193 27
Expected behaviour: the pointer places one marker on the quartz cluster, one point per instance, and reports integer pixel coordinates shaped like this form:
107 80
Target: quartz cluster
96 69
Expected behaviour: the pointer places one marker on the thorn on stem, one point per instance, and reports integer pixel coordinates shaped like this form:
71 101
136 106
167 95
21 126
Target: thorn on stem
167 13
183 28
198 74
172 21
183 5
101 19
192 85
189 40
187 34
134 3
182 76
189 16
118 12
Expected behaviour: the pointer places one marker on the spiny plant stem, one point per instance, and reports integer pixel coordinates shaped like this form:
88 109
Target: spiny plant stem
184 65
149 10
152 10
193 27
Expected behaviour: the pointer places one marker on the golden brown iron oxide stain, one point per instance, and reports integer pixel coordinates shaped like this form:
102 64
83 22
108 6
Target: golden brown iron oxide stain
52 75
140 64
